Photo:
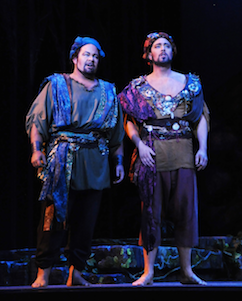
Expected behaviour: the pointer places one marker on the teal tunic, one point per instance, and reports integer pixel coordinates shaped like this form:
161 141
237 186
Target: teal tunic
90 168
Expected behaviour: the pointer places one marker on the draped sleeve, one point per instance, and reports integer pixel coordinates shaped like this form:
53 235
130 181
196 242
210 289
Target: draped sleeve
116 134
134 104
40 113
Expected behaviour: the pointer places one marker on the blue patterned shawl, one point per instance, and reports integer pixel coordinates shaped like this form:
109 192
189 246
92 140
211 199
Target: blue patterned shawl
57 174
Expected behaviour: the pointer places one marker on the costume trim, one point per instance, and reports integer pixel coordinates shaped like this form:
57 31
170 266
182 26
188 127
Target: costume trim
166 129
167 104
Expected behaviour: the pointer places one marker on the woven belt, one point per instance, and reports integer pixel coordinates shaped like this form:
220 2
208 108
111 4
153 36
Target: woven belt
167 129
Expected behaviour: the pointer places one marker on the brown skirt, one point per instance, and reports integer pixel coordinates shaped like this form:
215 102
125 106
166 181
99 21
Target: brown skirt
175 199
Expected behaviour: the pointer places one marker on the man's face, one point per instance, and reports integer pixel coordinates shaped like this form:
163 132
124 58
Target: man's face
87 60
161 52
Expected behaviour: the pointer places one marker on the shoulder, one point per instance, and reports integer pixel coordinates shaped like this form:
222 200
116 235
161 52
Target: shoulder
193 77
56 76
139 81
106 83
194 83
189 78
108 86
51 78
178 76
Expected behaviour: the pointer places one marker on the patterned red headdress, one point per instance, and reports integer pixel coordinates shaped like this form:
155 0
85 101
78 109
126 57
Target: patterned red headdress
152 37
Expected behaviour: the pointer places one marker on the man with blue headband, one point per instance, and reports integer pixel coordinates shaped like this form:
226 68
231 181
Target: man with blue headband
75 124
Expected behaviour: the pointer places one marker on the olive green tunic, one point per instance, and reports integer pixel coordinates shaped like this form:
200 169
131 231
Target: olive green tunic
90 168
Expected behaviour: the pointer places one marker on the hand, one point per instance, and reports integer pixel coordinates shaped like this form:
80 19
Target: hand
38 159
201 159
119 174
145 154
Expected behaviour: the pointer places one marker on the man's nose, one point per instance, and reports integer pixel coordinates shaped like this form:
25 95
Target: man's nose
90 58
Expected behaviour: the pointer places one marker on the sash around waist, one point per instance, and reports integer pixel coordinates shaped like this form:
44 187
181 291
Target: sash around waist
90 139
166 129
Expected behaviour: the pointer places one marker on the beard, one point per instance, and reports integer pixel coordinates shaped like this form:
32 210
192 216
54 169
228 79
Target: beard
89 71
90 74
162 61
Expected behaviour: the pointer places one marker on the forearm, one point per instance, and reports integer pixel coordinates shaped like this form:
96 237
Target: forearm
35 135
202 134
35 139
146 153
118 162
133 133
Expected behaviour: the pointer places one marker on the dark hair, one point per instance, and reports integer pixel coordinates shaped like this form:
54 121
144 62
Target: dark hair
75 54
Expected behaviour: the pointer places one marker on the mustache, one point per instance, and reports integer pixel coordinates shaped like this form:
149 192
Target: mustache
90 64
161 63
163 53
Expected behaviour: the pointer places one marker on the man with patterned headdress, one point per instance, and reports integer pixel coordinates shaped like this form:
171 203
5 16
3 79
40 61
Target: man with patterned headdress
162 111
78 121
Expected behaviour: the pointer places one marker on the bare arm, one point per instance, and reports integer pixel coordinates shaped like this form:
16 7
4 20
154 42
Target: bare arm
38 158
201 158
145 152
119 165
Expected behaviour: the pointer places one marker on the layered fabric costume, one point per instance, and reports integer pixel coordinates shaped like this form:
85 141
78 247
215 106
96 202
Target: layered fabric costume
56 175
81 128
163 121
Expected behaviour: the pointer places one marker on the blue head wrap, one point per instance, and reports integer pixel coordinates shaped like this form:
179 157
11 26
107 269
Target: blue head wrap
79 42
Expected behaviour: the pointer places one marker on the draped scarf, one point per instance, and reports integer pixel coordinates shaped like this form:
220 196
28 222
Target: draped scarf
56 174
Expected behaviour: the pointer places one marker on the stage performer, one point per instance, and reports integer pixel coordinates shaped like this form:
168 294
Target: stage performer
75 124
162 112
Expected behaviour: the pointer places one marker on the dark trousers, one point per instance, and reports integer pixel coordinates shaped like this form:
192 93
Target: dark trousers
175 199
83 207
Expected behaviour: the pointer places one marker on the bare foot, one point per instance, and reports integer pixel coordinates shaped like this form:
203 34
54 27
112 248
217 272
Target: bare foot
192 279
145 279
42 278
75 278
69 280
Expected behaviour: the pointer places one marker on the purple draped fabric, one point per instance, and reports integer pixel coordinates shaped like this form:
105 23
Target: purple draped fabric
137 107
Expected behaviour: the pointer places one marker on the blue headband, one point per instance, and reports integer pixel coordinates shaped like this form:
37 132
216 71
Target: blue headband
79 42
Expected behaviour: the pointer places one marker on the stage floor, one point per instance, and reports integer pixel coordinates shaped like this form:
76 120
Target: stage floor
158 286
224 290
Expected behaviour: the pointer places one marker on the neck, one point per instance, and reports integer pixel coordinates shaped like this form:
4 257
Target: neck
87 82
82 77
161 71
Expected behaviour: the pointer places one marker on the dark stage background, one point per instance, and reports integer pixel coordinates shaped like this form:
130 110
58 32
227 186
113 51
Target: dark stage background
36 36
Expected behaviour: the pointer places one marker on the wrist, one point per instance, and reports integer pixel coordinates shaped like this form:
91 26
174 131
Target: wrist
36 146
118 160
204 149
139 143
136 140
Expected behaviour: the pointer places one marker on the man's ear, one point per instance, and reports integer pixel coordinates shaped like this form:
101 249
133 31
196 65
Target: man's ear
150 56
74 60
